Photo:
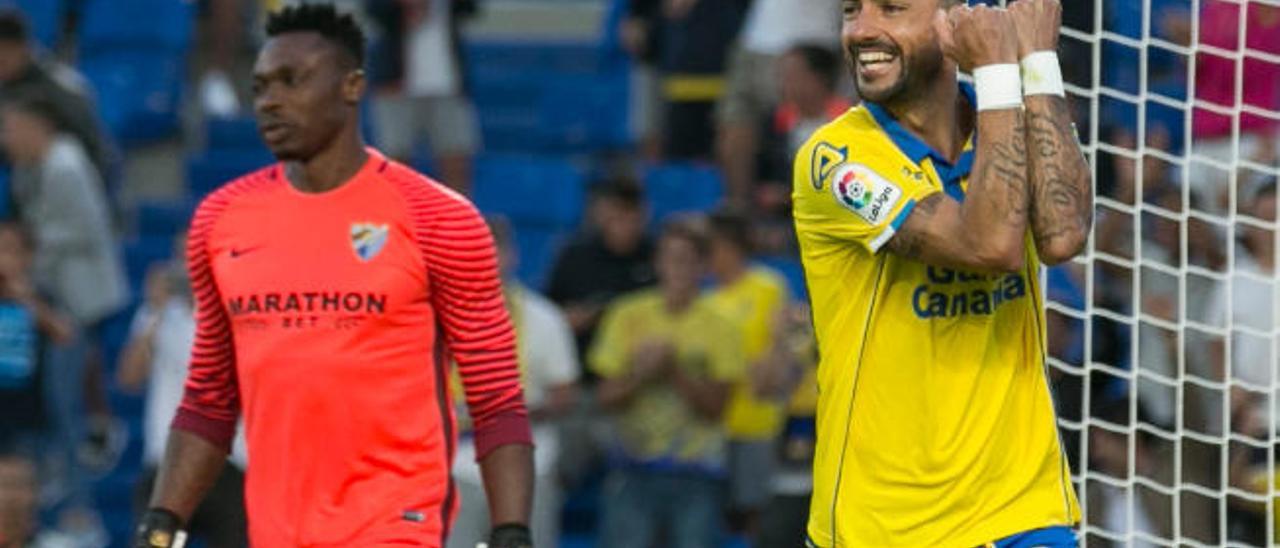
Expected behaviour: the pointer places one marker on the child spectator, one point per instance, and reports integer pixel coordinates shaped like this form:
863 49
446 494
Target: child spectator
667 361
753 298
27 323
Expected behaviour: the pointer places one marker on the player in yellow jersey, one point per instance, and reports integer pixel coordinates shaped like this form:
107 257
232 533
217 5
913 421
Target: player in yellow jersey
923 217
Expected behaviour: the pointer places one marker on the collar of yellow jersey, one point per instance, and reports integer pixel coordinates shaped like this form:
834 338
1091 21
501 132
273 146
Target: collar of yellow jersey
918 151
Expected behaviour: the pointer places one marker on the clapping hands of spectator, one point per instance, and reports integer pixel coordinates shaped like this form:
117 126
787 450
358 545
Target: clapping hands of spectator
776 376
653 359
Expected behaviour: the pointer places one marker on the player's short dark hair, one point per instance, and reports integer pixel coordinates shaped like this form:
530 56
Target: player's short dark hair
339 28
626 191
690 227
13 26
821 60
731 227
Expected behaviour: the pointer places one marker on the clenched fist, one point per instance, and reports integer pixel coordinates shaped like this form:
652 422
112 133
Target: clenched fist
1037 23
977 36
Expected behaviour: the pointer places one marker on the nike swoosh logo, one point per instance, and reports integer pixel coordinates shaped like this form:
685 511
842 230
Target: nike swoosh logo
237 253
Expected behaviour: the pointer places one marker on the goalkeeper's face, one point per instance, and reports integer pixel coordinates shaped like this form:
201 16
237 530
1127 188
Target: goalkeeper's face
306 93
891 47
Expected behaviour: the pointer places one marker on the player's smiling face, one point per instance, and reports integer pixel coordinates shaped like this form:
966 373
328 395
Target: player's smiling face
890 46
304 94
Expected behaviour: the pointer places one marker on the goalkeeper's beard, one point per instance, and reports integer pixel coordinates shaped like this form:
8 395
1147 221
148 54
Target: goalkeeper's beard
917 74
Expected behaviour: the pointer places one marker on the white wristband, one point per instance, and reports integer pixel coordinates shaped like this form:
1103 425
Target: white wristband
998 86
1042 75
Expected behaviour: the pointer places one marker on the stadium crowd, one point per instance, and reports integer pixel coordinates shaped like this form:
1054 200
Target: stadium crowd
665 349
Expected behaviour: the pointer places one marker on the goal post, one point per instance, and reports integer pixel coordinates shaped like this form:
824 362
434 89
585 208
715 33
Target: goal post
1163 334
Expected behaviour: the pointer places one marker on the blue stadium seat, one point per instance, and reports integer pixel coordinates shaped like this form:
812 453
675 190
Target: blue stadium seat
530 189
232 134
538 247
611 31
214 168
585 113
497 84
581 56
161 24
6 200
138 91
508 105
44 16
682 187
510 130
140 253
163 218
577 541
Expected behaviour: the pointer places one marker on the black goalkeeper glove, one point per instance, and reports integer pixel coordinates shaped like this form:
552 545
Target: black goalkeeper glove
509 535
159 528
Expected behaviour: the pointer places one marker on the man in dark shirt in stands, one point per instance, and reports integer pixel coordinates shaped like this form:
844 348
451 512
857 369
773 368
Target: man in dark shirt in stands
23 73
611 258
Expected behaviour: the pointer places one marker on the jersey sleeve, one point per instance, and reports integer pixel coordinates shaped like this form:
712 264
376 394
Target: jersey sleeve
467 296
849 198
210 406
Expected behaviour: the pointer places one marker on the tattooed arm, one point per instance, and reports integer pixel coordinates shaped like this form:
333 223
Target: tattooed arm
1059 177
1061 186
987 230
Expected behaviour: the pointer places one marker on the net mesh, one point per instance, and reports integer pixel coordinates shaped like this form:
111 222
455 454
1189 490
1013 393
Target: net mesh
1163 350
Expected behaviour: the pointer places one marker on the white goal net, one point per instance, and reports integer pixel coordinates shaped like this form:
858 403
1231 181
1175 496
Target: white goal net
1163 334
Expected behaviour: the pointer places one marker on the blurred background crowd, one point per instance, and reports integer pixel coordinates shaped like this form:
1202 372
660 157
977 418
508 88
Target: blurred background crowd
634 159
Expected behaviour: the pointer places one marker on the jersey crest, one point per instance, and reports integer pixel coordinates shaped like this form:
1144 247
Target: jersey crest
368 239
824 161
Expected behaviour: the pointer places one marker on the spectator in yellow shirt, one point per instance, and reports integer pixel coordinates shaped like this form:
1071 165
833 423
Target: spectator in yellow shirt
667 360
753 297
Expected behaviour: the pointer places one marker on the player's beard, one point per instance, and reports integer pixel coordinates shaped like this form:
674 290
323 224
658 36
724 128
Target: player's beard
916 74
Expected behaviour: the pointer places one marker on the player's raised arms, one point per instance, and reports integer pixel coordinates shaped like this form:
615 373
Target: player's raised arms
987 230
1057 173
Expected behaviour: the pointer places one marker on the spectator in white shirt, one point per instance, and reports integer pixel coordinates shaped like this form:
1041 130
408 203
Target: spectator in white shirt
549 372
156 356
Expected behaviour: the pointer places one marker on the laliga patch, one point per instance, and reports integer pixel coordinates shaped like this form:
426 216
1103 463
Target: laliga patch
823 162
865 192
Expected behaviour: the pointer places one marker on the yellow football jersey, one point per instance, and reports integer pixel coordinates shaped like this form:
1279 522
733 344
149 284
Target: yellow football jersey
935 423
753 303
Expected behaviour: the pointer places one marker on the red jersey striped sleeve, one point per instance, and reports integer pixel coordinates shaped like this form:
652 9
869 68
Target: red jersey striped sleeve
467 296
211 403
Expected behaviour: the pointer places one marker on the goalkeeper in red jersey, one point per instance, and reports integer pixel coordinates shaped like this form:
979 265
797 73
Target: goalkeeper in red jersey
333 289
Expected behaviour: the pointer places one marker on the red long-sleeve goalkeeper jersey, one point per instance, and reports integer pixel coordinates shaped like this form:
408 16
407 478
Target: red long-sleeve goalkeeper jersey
329 320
